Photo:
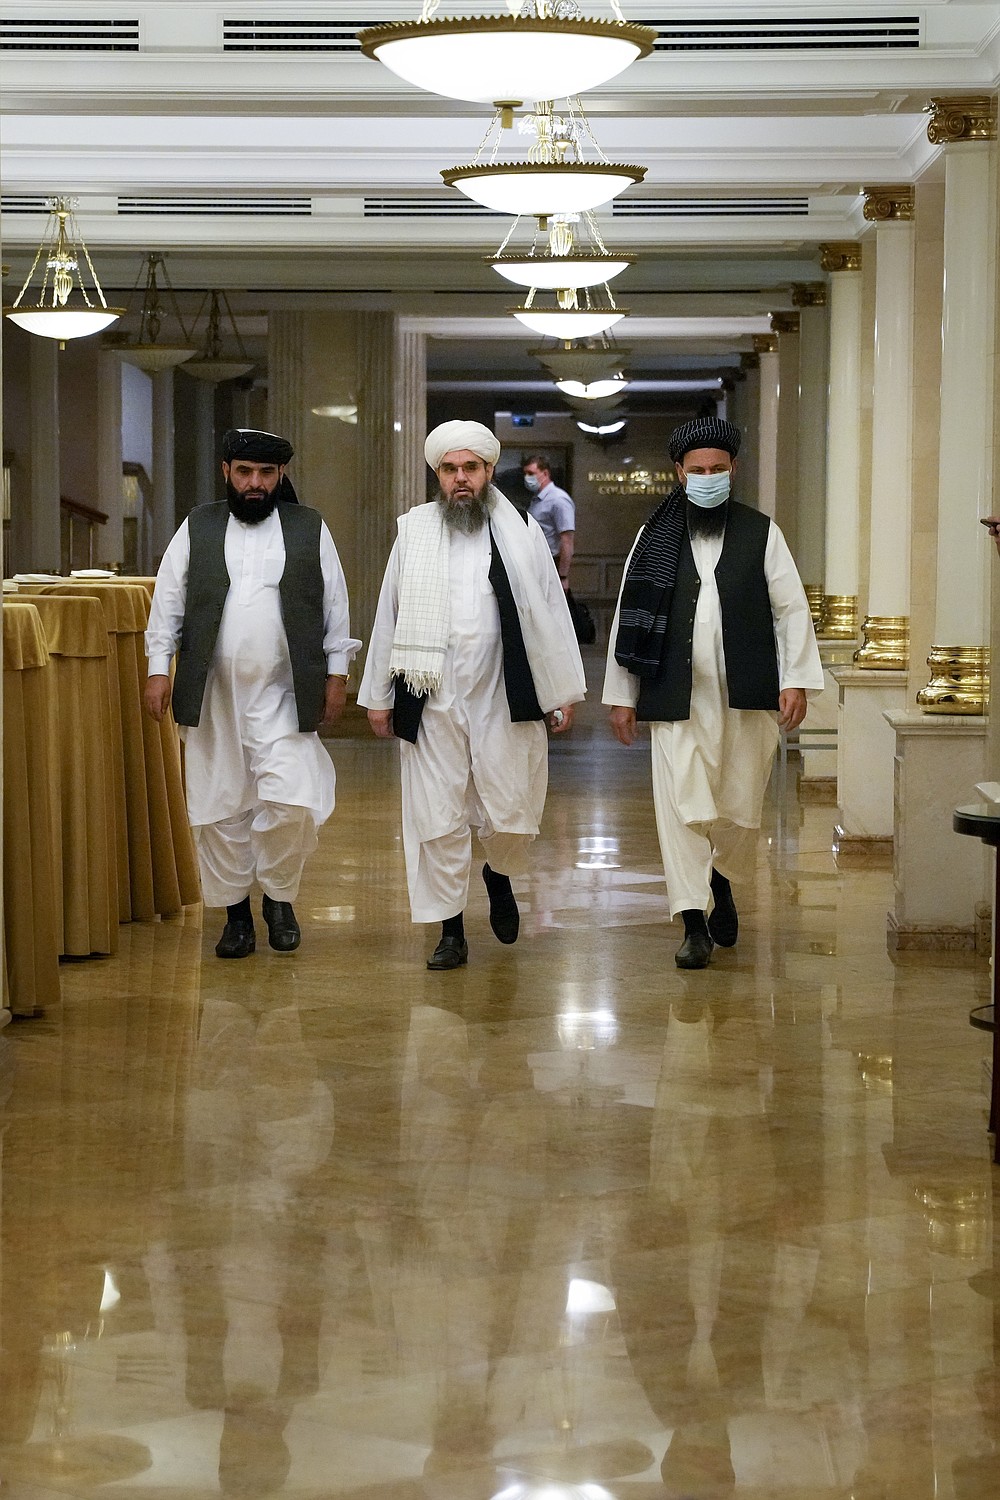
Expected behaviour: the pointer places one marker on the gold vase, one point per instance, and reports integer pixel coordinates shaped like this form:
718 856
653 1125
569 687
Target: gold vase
886 645
960 681
839 621
816 597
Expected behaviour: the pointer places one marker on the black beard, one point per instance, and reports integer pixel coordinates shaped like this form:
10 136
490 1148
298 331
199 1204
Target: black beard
251 512
467 516
706 522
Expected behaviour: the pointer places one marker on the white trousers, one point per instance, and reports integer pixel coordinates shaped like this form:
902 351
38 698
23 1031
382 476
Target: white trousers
437 870
270 842
690 850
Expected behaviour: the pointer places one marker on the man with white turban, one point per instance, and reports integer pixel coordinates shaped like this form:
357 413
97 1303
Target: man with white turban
712 645
472 649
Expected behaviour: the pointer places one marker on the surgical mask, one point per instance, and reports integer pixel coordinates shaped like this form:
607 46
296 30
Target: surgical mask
533 483
709 490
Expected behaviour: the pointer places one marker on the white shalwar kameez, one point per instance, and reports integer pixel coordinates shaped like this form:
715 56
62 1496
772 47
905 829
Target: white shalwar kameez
710 771
257 788
470 766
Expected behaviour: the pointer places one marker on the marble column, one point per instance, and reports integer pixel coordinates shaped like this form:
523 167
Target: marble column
749 476
110 497
207 479
44 533
766 348
286 406
376 430
786 484
163 517
843 448
967 128
876 682
410 422
810 298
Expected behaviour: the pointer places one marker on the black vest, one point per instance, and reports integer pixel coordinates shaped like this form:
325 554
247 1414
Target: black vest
748 641
522 700
300 590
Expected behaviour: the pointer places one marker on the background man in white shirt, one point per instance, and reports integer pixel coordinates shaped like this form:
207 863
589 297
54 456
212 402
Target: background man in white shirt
554 511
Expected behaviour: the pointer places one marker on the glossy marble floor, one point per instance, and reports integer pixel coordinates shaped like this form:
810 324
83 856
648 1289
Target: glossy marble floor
566 1225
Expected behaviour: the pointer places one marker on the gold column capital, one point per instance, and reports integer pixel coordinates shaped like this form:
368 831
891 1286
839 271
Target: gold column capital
961 117
809 294
765 343
840 255
749 362
785 322
885 204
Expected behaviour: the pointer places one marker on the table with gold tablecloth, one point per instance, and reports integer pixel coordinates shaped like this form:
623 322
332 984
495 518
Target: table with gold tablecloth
86 751
162 867
30 899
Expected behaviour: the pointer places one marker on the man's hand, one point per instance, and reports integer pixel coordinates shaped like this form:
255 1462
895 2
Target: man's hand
381 721
792 706
157 696
561 725
334 701
623 725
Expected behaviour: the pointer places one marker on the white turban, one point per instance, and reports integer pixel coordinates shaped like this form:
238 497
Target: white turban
452 437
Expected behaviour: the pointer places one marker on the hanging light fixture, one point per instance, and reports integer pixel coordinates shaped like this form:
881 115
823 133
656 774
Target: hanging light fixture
570 253
560 177
210 364
145 350
600 359
576 315
606 429
544 49
57 314
596 390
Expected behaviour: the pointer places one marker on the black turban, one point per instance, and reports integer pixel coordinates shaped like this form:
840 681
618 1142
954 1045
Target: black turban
704 432
258 447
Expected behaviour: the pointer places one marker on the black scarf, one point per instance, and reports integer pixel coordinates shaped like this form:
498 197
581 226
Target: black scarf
649 588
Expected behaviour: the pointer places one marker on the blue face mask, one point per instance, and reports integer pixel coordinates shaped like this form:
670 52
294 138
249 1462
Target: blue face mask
709 490
533 483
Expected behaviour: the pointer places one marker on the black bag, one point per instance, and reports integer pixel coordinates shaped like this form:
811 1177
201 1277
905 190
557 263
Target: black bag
583 621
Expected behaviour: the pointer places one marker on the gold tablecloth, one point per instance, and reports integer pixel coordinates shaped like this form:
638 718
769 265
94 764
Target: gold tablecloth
31 901
86 751
162 866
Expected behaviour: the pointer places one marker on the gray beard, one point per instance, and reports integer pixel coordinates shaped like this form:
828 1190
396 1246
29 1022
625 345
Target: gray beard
706 523
467 516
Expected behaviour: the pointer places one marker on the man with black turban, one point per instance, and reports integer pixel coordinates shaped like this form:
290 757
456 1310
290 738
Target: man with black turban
712 645
251 596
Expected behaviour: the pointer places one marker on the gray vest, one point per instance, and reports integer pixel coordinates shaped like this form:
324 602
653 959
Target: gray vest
301 593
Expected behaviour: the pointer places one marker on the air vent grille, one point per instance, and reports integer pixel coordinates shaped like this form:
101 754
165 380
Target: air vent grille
303 35
24 203
426 208
806 33
218 208
709 208
50 35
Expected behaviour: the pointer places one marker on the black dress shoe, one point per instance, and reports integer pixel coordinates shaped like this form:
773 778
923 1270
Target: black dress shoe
450 953
283 932
694 952
238 940
724 922
505 919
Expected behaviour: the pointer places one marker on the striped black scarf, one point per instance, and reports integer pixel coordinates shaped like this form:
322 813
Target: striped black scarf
649 588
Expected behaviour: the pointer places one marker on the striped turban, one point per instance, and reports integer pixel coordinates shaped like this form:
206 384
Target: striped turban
704 432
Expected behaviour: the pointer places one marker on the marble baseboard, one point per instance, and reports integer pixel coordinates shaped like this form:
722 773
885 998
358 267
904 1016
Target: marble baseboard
862 851
5 1016
915 937
818 791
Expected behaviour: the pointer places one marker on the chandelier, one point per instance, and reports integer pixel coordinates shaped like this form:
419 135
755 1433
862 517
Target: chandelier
586 362
543 49
595 390
58 314
211 364
569 253
558 178
145 350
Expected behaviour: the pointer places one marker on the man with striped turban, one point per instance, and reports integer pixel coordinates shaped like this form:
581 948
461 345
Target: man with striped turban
472 651
712 645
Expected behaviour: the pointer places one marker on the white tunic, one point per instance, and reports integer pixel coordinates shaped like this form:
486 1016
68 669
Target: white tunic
247 747
720 756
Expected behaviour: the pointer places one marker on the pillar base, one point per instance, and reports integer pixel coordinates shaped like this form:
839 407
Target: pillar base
839 621
815 595
886 645
866 749
960 681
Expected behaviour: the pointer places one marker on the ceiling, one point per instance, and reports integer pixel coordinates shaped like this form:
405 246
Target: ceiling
288 175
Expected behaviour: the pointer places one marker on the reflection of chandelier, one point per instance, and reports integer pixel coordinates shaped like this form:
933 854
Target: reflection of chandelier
558 177
544 49
60 318
211 365
145 350
571 254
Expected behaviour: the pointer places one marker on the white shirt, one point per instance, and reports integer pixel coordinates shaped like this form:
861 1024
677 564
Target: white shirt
555 513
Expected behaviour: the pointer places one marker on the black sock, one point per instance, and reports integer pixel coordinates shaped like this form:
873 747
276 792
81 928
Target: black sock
240 912
694 921
454 926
